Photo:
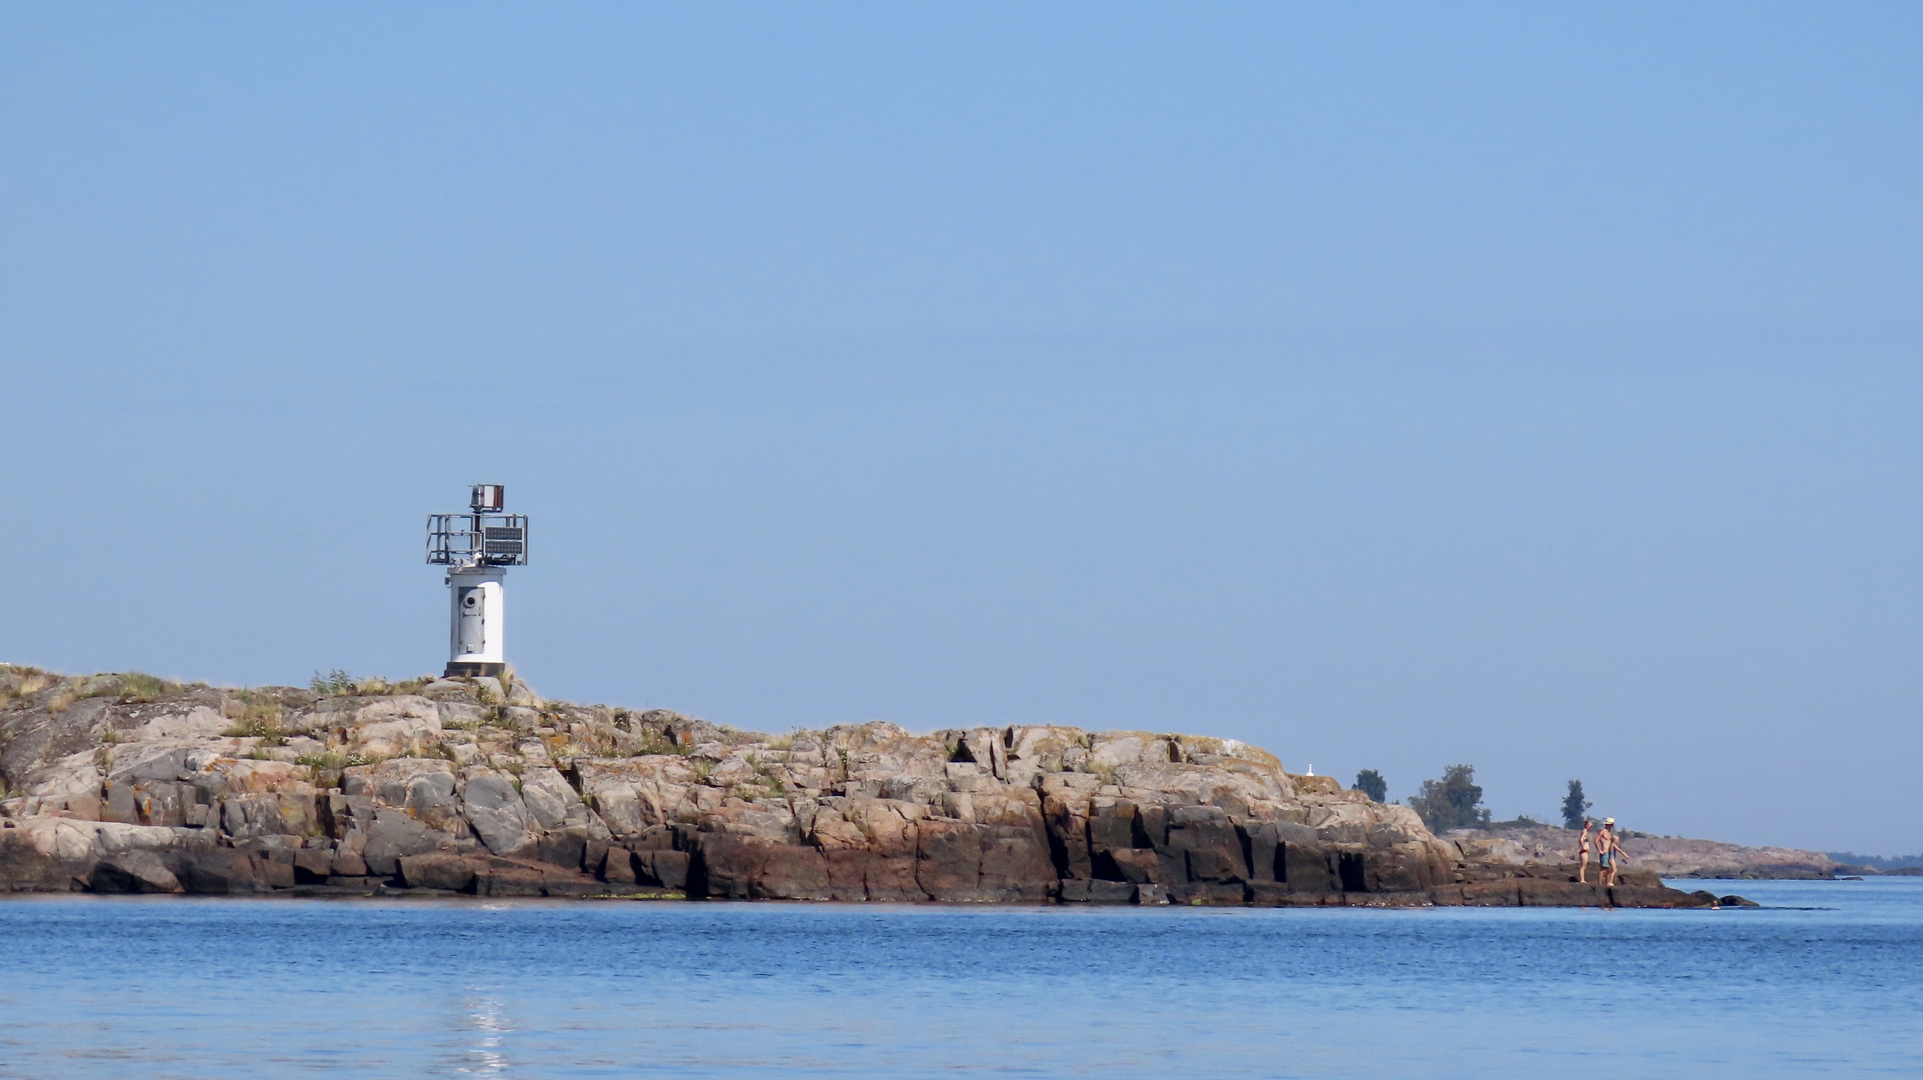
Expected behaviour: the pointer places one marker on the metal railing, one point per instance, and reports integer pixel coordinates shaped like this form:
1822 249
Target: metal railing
477 539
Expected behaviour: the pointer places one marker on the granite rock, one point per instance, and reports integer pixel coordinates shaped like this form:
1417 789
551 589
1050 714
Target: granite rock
462 786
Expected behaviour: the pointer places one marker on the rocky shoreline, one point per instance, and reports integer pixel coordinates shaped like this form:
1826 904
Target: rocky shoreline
129 784
1667 856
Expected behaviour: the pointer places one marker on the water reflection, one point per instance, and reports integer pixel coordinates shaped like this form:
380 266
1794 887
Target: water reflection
487 1018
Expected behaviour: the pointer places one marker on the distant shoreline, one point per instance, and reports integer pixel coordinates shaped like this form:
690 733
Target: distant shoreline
1666 856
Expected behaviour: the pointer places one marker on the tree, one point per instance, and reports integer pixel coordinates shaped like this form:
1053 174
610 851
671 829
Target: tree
1370 783
1451 802
1575 807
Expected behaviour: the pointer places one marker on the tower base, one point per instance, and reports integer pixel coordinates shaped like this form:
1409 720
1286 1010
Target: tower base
456 670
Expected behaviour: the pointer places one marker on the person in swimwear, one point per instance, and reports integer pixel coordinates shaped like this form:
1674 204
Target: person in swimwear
1608 851
1582 874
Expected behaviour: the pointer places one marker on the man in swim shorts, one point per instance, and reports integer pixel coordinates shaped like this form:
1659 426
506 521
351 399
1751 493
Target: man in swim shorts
1607 852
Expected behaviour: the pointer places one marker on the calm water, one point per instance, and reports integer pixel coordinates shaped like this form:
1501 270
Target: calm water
1828 983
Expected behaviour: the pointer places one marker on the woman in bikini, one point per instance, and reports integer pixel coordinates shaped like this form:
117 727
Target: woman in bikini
1582 875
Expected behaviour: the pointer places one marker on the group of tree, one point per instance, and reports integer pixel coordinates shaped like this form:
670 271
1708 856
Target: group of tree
1455 800
1370 783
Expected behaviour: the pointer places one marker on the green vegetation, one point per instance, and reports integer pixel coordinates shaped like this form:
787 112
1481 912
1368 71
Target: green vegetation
767 778
1370 783
138 686
334 760
259 719
332 684
1451 802
1574 806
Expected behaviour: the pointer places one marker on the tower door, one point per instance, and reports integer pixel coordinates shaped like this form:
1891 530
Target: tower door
471 602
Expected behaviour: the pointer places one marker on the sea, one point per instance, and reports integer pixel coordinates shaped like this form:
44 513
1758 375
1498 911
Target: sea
1825 979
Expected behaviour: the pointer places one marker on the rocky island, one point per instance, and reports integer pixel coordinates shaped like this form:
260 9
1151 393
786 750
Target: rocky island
132 784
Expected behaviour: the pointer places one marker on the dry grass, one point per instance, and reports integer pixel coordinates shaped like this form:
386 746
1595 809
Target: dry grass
132 687
766 777
654 744
260 718
20 682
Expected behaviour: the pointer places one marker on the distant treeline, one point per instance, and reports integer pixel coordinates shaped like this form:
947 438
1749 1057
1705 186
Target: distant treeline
1455 801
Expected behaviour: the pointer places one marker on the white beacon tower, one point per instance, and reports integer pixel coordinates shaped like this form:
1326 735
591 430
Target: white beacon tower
477 548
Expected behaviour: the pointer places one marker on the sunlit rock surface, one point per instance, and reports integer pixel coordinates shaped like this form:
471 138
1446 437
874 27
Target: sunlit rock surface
124 783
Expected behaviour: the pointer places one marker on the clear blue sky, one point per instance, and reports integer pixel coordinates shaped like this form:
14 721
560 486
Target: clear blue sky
1535 386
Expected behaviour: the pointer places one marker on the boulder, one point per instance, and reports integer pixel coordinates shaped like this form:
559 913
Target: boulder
617 867
1097 892
948 861
393 835
1041 746
222 871
403 726
25 868
313 866
550 800
437 871
1536 892
667 869
509 881
1209 844
1133 865
495 811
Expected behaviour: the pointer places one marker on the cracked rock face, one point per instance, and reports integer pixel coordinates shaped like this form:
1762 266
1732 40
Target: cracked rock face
127 784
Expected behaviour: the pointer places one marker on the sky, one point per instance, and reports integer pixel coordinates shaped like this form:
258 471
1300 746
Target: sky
1391 385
